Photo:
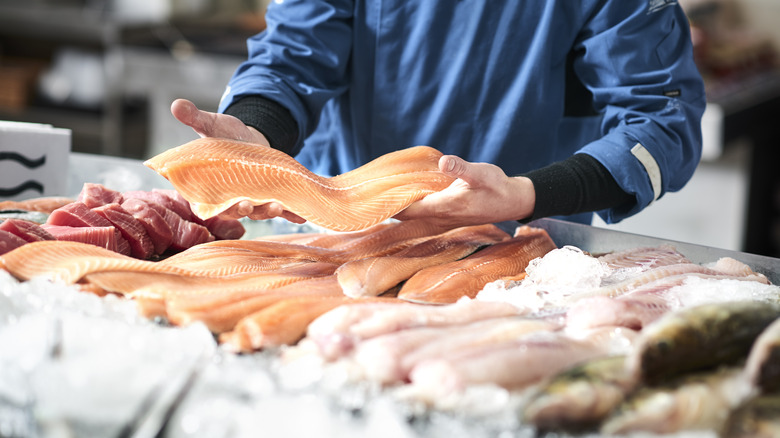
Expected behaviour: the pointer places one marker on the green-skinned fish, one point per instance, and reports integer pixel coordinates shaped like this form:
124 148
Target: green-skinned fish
756 418
700 401
581 397
763 364
700 337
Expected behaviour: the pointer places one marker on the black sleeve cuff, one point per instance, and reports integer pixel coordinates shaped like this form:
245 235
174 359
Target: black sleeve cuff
270 118
578 184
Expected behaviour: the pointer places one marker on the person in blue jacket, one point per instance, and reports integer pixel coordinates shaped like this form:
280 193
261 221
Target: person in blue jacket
544 108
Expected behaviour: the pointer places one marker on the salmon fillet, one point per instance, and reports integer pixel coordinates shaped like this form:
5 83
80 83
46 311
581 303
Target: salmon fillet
448 282
371 276
214 174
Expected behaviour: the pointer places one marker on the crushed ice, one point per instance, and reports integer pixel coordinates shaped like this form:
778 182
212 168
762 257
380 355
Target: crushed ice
550 279
75 364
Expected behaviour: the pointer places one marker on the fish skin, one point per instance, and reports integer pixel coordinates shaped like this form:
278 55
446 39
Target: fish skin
756 418
762 368
371 276
699 401
446 283
214 174
581 397
699 337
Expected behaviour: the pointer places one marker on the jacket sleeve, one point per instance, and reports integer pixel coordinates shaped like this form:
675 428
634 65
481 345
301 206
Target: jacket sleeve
637 60
299 61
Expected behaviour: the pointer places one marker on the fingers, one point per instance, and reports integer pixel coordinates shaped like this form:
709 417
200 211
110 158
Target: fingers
208 124
187 113
260 212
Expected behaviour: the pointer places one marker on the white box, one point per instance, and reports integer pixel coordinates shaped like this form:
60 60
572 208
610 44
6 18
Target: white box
33 160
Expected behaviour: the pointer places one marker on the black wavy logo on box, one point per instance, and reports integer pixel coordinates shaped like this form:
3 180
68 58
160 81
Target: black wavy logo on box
24 161
28 163
27 185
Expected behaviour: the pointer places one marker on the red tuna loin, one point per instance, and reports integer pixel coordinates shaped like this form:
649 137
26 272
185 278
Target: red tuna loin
222 229
104 237
94 195
9 241
141 245
185 233
162 199
225 229
28 231
159 230
77 214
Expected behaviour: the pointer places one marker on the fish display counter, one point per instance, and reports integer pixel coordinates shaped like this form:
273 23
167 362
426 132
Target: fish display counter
604 333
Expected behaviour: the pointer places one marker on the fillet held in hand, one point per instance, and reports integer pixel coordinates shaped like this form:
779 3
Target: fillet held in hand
214 173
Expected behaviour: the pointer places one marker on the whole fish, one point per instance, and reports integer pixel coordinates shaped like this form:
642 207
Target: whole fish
699 337
763 365
580 398
700 401
756 418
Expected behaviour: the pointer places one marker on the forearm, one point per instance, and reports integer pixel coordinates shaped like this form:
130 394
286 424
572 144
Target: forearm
270 118
576 185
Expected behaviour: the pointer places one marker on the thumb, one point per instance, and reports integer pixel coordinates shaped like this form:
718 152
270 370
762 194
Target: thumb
187 113
457 167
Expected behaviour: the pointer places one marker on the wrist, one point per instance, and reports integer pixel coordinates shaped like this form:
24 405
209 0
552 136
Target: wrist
523 195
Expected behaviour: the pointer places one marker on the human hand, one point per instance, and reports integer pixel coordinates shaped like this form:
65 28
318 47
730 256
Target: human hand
481 194
208 124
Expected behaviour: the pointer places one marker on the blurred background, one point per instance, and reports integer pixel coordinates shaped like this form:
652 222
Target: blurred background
109 69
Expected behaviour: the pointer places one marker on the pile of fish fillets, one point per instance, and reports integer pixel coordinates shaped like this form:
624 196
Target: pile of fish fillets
260 293
141 224
640 340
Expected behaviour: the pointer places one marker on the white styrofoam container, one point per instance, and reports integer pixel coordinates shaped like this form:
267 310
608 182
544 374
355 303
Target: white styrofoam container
33 160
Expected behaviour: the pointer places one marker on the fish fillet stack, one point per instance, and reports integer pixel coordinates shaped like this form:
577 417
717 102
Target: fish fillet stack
637 341
240 288
642 340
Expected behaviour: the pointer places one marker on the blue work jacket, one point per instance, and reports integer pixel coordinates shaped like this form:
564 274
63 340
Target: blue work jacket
516 83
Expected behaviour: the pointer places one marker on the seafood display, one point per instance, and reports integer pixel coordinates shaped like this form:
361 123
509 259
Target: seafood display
214 174
461 322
